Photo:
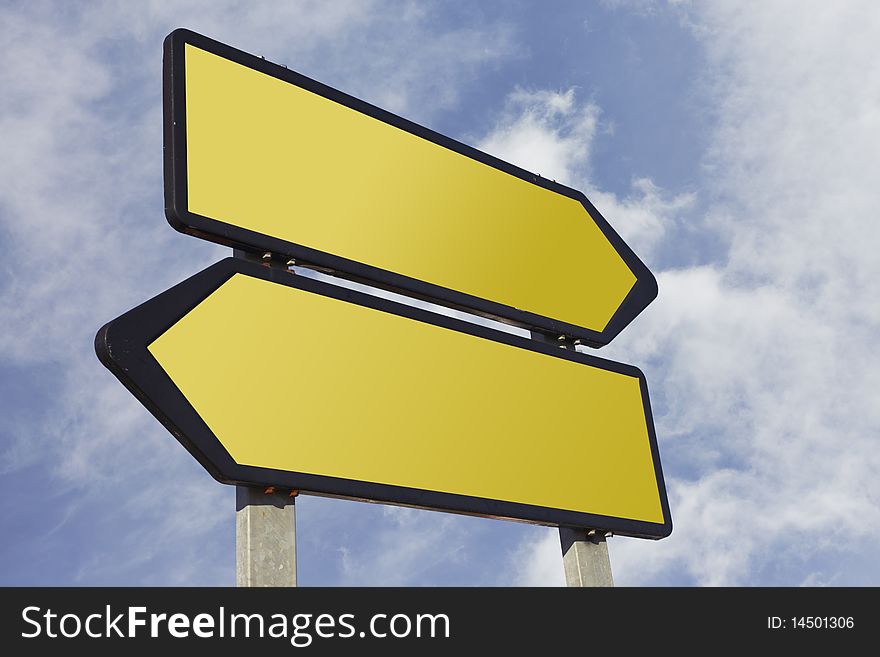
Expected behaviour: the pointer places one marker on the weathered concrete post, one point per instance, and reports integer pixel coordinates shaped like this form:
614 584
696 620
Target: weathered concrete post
265 537
585 558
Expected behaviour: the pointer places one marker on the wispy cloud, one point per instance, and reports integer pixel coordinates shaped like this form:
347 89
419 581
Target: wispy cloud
761 361
546 132
759 351
552 133
85 239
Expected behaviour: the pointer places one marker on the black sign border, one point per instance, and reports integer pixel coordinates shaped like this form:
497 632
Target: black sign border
176 203
121 345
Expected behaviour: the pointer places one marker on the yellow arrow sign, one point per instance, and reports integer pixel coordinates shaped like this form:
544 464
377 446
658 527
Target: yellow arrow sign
262 158
270 378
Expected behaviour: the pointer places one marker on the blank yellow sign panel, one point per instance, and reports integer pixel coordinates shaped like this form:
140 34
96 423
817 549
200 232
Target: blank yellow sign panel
291 380
269 158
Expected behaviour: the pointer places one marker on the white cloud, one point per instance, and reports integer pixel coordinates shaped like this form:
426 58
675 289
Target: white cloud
538 560
85 238
551 133
762 364
645 215
546 132
389 53
407 550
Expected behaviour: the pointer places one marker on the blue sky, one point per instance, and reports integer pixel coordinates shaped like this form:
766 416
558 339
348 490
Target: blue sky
733 145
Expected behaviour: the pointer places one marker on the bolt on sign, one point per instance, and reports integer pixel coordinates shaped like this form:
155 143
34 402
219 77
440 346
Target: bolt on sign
380 400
